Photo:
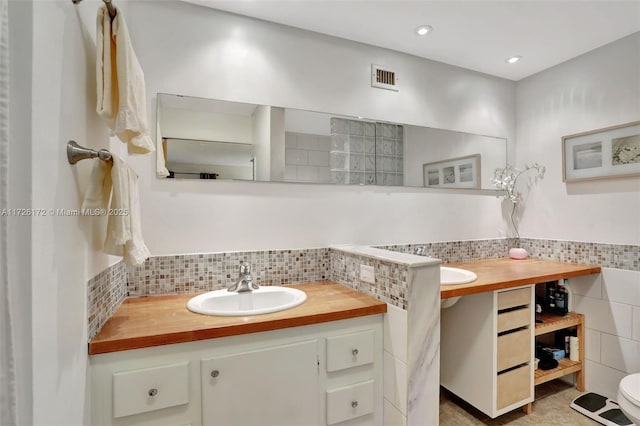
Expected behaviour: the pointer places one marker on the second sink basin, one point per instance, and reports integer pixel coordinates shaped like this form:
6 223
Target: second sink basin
265 300
452 276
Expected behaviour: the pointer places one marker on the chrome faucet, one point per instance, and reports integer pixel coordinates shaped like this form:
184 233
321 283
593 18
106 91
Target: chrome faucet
245 282
419 250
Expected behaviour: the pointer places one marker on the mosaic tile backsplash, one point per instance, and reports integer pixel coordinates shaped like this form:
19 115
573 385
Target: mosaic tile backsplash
619 256
105 292
205 272
458 251
391 278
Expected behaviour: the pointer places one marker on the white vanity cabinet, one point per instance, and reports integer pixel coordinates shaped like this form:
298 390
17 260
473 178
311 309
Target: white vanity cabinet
322 374
487 349
271 386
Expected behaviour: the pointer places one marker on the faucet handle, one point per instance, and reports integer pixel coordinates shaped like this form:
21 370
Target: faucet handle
245 269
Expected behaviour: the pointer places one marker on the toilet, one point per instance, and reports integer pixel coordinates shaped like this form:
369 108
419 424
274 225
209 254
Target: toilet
629 397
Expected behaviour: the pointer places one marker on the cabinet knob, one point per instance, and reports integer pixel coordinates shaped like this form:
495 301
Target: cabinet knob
354 352
354 404
152 392
215 373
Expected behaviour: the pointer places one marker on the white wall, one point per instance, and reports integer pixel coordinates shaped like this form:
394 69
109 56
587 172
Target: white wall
65 251
596 90
213 54
19 228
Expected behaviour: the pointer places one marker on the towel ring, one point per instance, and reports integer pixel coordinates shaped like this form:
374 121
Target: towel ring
76 153
110 8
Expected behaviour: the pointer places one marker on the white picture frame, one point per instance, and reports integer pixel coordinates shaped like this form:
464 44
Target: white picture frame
609 152
460 172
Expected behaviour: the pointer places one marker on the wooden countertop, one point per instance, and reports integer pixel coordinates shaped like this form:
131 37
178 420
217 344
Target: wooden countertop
497 274
144 322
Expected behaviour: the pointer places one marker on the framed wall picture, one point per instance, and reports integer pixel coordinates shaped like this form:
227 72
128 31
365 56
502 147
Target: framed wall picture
602 153
461 172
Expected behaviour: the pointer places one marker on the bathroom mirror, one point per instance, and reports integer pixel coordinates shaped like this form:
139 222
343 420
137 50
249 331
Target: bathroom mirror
214 139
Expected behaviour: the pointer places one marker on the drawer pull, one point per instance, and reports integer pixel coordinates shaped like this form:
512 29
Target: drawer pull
152 392
354 404
215 373
354 352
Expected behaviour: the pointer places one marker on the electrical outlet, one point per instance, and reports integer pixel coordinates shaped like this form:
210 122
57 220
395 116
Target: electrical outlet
367 274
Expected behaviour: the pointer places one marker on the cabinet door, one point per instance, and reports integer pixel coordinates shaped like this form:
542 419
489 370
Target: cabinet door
276 386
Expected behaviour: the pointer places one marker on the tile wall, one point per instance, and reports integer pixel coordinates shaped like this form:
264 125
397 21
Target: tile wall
611 302
611 305
391 278
205 272
366 153
105 292
306 158
458 251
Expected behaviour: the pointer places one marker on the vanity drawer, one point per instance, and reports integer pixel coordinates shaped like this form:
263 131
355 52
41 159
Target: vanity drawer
513 349
149 389
349 350
349 402
513 386
514 319
513 298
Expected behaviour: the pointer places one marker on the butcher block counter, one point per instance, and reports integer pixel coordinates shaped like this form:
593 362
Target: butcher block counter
144 322
497 274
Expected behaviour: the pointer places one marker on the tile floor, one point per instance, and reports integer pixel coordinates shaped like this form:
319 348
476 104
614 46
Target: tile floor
551 408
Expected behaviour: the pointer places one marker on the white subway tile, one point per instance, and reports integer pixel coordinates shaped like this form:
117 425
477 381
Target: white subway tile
307 142
620 285
324 176
401 386
307 174
587 285
290 173
592 344
324 143
602 380
621 354
395 382
606 316
636 324
290 140
392 416
395 332
318 158
389 376
296 157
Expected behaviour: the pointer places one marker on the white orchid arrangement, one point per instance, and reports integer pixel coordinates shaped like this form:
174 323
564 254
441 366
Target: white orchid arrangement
505 180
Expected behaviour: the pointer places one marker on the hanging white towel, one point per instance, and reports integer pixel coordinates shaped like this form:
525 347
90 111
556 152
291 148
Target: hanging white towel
114 186
122 101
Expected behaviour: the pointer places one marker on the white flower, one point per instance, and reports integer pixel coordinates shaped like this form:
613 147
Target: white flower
505 180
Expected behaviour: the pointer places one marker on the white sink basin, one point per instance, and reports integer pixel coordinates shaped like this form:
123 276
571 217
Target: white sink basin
262 301
453 276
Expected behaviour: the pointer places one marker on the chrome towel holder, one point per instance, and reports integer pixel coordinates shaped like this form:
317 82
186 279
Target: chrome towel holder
110 8
76 153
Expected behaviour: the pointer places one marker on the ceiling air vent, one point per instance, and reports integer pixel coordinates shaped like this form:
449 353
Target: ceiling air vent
384 78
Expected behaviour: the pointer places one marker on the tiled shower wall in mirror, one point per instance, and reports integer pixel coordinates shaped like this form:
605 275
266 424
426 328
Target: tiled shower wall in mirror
366 153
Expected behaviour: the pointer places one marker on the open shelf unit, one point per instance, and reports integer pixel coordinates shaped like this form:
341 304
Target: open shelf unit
551 323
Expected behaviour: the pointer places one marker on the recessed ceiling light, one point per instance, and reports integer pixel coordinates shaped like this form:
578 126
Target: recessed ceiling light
513 59
424 30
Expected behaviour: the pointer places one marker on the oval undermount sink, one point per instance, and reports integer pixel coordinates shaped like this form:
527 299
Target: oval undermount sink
265 300
452 276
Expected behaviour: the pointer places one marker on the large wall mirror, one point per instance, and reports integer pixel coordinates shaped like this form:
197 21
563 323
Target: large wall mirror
214 139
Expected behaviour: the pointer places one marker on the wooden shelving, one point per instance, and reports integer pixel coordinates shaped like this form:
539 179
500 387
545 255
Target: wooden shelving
551 323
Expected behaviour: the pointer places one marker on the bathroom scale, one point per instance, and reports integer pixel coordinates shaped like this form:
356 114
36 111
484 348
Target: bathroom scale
601 409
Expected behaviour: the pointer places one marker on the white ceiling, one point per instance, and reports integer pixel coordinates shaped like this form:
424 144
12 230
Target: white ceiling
477 35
